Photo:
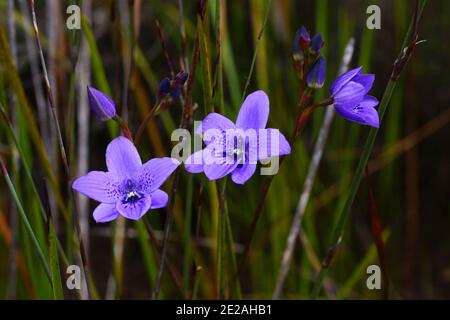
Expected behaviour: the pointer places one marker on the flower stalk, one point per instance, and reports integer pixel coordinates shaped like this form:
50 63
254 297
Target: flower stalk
124 126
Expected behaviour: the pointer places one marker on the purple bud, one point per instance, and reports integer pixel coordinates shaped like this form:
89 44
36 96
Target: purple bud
171 89
164 87
102 105
181 77
303 38
301 43
316 75
317 42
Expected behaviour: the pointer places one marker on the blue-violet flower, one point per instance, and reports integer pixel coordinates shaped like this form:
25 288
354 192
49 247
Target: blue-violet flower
129 188
236 147
351 101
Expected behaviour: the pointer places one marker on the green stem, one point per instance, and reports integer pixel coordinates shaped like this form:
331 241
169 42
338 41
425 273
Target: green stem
25 221
124 126
220 241
187 236
143 124
225 250
261 31
338 228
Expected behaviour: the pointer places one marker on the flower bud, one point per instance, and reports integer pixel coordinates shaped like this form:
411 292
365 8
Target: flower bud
301 43
316 74
102 105
317 42
171 89
181 78
164 88
303 38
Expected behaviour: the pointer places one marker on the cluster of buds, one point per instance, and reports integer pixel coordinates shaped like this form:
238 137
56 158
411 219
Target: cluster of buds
307 59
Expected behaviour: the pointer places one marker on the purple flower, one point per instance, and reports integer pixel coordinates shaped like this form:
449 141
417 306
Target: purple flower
236 147
316 75
351 101
102 105
129 188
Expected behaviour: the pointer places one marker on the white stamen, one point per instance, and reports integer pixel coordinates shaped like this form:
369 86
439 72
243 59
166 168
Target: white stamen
132 194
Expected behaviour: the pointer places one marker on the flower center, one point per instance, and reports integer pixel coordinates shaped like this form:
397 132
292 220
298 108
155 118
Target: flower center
130 192
357 108
239 148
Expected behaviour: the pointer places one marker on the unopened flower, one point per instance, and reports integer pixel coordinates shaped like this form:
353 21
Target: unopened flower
317 42
164 87
351 101
236 147
171 89
102 105
129 188
301 43
303 38
316 75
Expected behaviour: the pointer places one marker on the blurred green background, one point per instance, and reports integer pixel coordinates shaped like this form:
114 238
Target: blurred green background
119 51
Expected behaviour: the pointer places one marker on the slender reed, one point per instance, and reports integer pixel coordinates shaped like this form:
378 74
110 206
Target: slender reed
260 34
49 90
183 36
190 184
83 255
25 220
83 74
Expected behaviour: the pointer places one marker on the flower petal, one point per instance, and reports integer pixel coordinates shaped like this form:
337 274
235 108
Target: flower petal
214 121
272 143
159 199
98 185
349 96
216 171
366 80
369 113
122 157
154 172
343 79
364 113
254 111
194 163
134 210
105 212
241 174
371 101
